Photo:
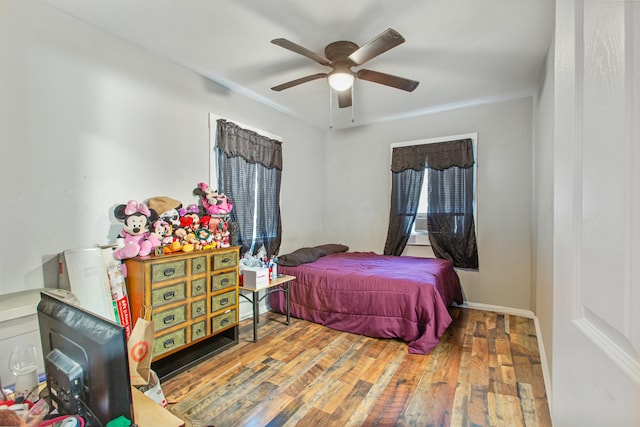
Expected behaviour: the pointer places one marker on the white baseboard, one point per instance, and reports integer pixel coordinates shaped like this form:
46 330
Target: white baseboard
498 309
530 315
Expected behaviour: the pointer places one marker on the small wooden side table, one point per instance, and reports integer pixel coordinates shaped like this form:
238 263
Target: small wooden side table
253 296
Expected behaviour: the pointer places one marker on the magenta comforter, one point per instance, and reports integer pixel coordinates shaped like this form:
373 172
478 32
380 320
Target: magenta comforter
375 295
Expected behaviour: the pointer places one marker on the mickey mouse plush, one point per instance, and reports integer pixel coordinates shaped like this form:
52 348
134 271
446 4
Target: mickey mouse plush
167 209
137 218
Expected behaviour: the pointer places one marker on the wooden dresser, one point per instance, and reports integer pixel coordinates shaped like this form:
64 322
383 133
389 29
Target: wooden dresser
192 300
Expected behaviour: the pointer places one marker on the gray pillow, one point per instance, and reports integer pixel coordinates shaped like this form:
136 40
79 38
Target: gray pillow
301 256
333 248
305 255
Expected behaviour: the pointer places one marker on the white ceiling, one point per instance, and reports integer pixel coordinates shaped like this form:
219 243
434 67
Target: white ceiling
463 52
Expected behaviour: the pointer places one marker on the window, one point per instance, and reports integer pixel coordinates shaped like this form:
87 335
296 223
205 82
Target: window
246 165
449 166
419 233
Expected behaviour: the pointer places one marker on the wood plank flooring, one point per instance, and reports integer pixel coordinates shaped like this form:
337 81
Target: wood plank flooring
484 372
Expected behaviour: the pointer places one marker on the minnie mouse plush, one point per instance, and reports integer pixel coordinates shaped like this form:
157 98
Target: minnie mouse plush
212 202
137 218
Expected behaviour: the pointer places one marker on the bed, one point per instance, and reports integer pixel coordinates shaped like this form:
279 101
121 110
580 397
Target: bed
369 294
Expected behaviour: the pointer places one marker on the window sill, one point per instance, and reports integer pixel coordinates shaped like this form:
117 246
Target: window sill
421 239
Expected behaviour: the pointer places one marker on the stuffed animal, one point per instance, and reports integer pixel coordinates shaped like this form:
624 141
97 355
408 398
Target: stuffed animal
205 238
223 204
194 212
214 224
172 216
167 209
226 236
137 219
189 221
186 226
161 234
213 202
204 221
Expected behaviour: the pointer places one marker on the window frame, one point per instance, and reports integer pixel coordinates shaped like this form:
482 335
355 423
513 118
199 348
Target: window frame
421 238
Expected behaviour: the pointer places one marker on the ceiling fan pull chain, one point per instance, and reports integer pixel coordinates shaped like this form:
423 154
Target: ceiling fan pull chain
330 110
353 103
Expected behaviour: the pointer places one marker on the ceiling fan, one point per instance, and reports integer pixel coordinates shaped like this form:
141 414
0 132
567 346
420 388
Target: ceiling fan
342 56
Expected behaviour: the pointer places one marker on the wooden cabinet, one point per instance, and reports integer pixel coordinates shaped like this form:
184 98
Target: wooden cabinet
192 300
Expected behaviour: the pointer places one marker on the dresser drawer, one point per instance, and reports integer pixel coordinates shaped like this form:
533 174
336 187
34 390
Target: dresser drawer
224 280
198 330
199 265
198 308
191 298
225 260
198 287
167 294
218 302
168 270
167 318
224 320
170 341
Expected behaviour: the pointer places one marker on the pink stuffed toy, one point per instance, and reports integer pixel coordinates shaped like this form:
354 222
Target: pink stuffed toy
161 234
137 218
213 203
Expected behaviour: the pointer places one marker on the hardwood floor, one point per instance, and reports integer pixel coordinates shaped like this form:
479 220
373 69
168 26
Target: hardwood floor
485 372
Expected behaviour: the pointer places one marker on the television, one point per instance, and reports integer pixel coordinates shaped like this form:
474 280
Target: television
86 362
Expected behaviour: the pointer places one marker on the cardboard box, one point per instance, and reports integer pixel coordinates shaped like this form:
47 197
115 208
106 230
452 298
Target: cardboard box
255 277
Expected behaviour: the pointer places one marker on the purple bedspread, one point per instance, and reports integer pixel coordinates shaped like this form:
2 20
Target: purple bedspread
375 295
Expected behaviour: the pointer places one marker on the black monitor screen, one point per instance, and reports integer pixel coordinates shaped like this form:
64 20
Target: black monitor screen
86 362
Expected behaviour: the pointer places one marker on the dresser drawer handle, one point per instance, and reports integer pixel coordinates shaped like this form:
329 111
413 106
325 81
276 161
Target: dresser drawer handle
224 281
169 295
226 260
199 310
169 271
198 267
169 343
224 322
224 301
169 319
198 332
198 288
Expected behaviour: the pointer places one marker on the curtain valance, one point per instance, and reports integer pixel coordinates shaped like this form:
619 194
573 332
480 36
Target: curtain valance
255 148
438 155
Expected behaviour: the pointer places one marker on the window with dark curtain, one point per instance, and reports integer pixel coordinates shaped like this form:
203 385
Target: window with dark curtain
450 218
249 171
405 195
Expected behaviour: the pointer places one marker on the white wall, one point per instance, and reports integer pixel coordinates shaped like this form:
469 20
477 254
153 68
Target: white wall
543 204
358 187
90 121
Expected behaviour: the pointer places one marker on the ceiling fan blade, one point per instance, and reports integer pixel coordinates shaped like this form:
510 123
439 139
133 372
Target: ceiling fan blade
381 43
301 50
344 98
296 82
387 79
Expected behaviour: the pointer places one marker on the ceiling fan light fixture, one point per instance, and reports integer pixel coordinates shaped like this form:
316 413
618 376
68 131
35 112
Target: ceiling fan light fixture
340 80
